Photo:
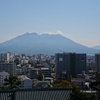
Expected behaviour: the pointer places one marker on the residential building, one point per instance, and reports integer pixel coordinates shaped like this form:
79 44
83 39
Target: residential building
80 82
4 57
83 75
24 69
90 63
35 71
71 63
97 62
19 71
3 76
97 66
25 82
8 67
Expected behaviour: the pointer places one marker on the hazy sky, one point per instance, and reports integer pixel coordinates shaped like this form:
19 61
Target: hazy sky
78 20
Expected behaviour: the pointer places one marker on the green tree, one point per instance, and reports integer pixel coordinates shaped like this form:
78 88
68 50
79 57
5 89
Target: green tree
12 82
62 84
31 62
16 61
77 94
40 77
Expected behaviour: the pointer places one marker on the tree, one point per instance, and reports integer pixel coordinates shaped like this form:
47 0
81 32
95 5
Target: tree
12 82
16 61
40 77
77 94
62 84
31 62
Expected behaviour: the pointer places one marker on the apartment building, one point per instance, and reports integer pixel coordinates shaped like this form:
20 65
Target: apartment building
3 75
25 82
4 57
72 63
8 67
35 71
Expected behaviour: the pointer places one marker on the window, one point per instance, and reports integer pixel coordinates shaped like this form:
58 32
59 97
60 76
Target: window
82 59
60 59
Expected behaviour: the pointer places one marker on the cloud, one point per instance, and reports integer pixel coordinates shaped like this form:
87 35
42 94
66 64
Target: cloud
59 32
56 32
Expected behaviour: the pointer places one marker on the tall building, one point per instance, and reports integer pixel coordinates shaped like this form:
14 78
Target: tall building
97 62
70 63
8 67
4 57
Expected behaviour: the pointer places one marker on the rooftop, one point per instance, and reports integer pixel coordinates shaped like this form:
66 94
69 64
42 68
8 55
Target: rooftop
23 77
2 73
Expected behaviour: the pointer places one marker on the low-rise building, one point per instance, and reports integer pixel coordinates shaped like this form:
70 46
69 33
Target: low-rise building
25 82
35 71
3 76
19 71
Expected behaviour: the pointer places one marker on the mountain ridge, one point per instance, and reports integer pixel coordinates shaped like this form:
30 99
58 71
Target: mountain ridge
44 43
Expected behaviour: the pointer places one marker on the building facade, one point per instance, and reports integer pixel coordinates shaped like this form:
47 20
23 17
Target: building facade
3 76
70 63
36 71
25 82
97 62
4 57
8 67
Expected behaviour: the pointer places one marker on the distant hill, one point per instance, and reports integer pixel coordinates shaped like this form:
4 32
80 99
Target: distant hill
96 47
32 43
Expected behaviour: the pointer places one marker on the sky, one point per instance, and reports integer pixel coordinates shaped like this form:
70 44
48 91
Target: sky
78 20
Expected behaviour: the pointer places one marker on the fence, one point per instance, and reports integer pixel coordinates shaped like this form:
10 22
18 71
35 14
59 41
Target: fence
36 94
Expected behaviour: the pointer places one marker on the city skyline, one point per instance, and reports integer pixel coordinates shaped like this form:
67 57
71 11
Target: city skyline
75 19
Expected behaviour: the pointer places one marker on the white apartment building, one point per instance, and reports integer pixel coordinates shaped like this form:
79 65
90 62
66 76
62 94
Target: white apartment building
5 57
24 61
3 75
26 82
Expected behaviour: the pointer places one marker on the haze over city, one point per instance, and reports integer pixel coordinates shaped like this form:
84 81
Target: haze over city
78 20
